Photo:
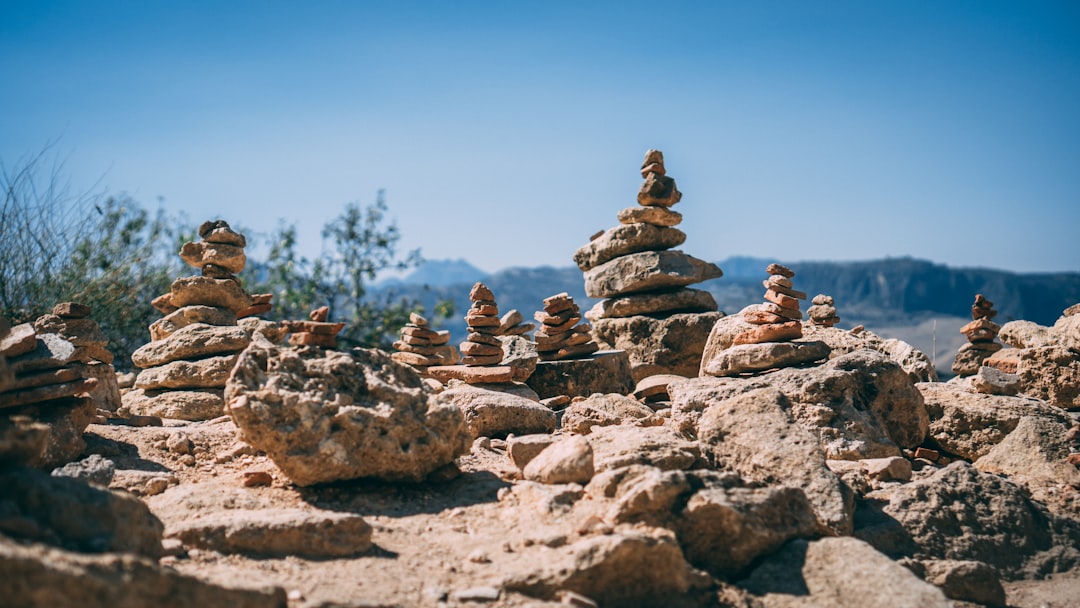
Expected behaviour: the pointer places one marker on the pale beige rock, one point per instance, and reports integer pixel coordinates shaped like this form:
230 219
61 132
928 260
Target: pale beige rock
568 460
626 239
1051 373
20 340
277 532
682 300
195 404
655 386
211 372
495 414
646 271
659 446
192 342
672 345
657 216
604 410
746 358
182 317
1035 454
219 231
222 293
522 449
199 254
893 468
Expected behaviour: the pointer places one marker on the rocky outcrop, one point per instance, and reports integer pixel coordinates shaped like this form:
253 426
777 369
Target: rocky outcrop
325 415
666 345
915 362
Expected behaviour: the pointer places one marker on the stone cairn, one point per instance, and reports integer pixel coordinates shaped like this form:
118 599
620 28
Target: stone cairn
981 334
513 324
45 390
422 347
72 322
561 334
643 282
772 340
195 345
823 311
316 332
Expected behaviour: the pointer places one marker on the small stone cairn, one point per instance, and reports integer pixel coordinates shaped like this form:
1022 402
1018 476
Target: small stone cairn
421 347
72 322
823 311
45 390
561 334
316 332
981 334
772 341
513 324
482 351
195 346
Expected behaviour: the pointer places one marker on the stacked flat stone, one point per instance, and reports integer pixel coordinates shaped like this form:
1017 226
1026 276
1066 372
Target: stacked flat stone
981 334
562 334
195 346
316 332
71 321
823 311
481 346
772 339
421 347
513 324
45 379
633 266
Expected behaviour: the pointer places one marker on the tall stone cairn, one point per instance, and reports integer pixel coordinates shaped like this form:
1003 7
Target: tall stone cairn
981 334
647 307
316 332
421 347
562 334
823 311
779 319
72 322
195 345
482 346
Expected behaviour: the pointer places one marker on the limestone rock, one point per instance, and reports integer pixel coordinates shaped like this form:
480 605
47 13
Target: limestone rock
605 410
182 317
1025 334
278 532
970 424
192 404
647 271
840 573
229 257
568 460
992 381
681 300
753 435
218 231
324 415
745 358
56 435
1051 373
968 581
625 239
205 291
491 413
211 372
601 372
657 216
1035 454
191 342
18 340
912 360
658 446
671 345
522 449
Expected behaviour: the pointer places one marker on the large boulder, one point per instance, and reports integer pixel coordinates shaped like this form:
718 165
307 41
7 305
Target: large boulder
912 360
668 345
1035 455
493 413
324 415
658 446
1051 373
647 271
1026 334
753 435
960 513
970 424
860 405
607 371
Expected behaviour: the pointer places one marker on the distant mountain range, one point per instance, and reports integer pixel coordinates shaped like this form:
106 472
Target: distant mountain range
903 297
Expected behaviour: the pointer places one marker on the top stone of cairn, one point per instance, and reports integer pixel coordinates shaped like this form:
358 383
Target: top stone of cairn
658 190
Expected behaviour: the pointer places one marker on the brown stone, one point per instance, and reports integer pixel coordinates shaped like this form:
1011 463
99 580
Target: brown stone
780 332
823 300
229 257
480 291
510 319
427 351
793 314
668 301
483 339
422 333
441 337
482 321
487 360
655 386
219 231
658 191
624 239
781 300
417 359
472 375
657 216
417 319
163 304
1072 310
778 280
557 303
647 271
487 310
252 479
46 393
1006 360
781 270
475 349
313 327
182 317
654 163
570 352
415 340
217 272
253 310
780 289
927 453
563 327
61 375
71 310
320 315
308 339
517 330
555 319
761 317
187 291
19 341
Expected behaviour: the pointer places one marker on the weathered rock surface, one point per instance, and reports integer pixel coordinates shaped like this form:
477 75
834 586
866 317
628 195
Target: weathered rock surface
645 271
601 372
193 404
278 532
209 315
911 359
753 435
73 515
658 446
960 513
211 372
62 426
970 424
681 300
838 572
491 413
1025 334
191 342
626 239
1035 455
324 415
568 460
604 410
1051 373
205 291
746 358
36 575
92 469
967 581
671 345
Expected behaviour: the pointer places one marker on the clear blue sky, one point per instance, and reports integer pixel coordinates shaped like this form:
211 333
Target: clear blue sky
508 132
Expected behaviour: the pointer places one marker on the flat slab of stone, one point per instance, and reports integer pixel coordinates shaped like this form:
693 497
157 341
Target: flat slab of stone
20 340
50 352
210 315
199 254
192 342
193 405
602 372
471 374
646 271
223 293
657 216
671 345
746 358
493 413
624 239
278 532
211 372
668 302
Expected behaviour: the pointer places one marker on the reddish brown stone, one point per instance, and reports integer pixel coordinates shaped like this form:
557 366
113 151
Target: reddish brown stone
47 393
482 321
417 360
163 304
788 313
1006 360
20 340
257 478
71 310
927 453
306 339
781 270
313 327
475 349
762 317
427 351
254 309
557 303
787 291
489 360
472 375
781 300
261 298
486 310
480 291
321 314
483 339
780 332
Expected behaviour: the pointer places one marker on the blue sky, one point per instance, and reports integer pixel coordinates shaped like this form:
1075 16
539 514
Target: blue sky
506 133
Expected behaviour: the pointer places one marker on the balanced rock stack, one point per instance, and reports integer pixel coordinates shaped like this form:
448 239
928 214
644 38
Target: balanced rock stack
482 351
823 311
44 384
71 321
513 324
421 347
647 307
981 334
316 332
561 334
194 347
771 339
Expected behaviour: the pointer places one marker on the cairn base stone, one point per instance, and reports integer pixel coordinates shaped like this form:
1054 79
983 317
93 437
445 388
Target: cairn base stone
193 405
603 372
670 345
669 302
746 358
